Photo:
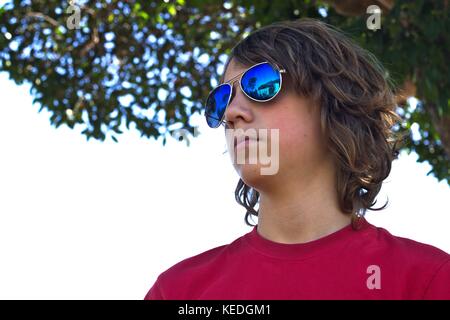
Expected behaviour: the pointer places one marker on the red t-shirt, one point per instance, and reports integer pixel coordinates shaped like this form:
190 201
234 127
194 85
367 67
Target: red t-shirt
368 263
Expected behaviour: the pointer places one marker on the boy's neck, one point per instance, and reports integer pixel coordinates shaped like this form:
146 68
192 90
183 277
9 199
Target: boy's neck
301 213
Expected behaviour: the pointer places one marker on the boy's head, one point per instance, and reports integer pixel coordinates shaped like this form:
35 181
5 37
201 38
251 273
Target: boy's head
334 113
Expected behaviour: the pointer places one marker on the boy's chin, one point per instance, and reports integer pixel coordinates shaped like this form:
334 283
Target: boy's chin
250 174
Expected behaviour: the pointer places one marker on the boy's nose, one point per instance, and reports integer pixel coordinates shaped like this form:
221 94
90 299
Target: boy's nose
238 109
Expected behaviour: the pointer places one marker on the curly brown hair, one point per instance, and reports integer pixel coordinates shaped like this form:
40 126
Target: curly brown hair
356 100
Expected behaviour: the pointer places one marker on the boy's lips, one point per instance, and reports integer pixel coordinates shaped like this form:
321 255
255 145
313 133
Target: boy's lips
243 139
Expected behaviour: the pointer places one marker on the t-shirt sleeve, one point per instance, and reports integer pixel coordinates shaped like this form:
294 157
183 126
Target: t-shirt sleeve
154 293
439 287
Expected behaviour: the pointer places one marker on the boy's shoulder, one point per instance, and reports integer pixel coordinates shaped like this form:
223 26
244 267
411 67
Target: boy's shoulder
402 248
203 262
420 263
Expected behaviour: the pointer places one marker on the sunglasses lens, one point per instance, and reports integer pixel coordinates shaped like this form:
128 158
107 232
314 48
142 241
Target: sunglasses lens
215 105
261 82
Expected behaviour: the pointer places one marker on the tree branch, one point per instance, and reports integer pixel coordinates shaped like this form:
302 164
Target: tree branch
442 126
92 43
40 15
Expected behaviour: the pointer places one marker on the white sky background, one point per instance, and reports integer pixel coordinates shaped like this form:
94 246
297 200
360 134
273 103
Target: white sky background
93 220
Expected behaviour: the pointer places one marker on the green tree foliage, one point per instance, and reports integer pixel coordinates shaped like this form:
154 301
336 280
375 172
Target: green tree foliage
150 64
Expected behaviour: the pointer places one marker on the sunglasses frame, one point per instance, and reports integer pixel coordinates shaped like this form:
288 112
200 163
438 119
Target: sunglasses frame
239 78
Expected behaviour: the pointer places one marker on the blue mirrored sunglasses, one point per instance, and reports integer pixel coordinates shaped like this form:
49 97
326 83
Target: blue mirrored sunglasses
261 83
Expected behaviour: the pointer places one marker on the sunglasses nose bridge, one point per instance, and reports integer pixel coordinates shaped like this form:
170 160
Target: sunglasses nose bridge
235 87
237 108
